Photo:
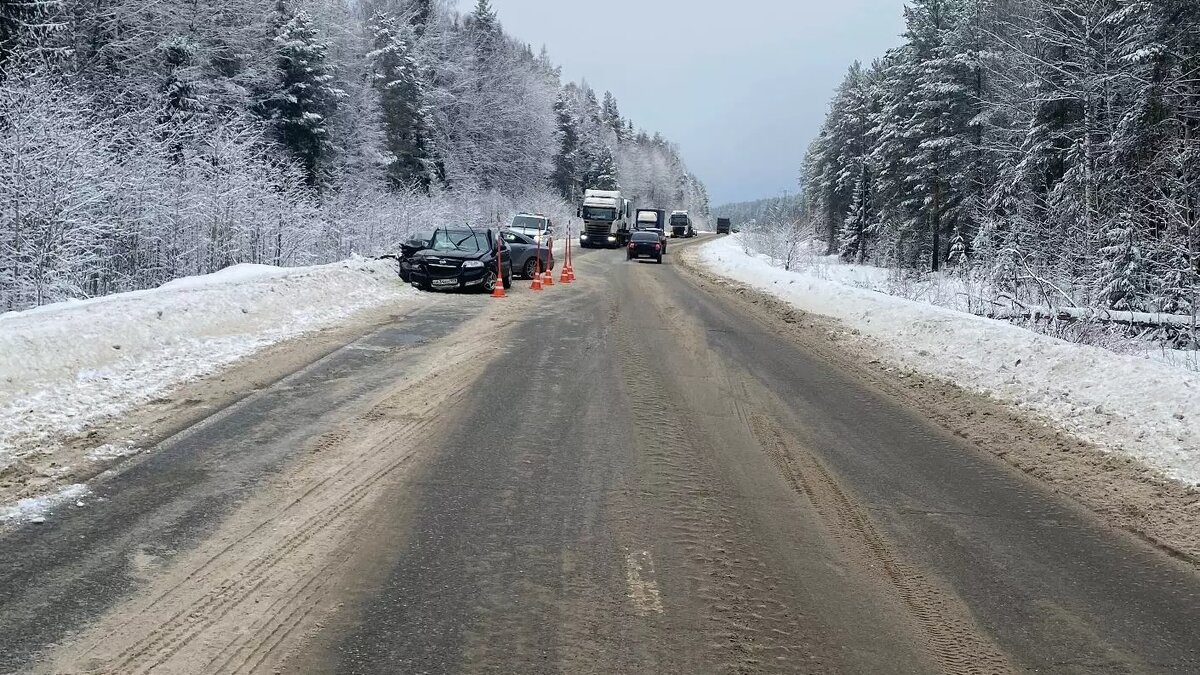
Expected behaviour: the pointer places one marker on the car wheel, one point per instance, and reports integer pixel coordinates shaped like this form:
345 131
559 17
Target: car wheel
508 281
530 269
660 259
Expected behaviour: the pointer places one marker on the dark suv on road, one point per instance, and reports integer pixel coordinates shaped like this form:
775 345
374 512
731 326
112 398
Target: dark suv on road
644 243
459 259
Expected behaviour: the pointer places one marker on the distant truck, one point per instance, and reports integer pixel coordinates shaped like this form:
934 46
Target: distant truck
724 225
681 224
605 217
651 219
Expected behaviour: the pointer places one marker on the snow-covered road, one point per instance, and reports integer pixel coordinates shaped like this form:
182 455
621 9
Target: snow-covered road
1126 404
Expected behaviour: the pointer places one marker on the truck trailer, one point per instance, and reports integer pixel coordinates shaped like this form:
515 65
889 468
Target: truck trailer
651 219
723 225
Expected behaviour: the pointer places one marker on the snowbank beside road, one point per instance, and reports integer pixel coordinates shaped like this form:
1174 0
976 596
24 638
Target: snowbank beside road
1147 409
68 365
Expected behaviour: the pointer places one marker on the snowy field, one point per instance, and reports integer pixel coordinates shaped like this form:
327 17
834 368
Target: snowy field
66 366
1124 403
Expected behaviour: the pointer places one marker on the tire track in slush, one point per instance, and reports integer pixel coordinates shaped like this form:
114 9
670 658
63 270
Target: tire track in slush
747 627
502 638
170 638
950 635
231 592
374 447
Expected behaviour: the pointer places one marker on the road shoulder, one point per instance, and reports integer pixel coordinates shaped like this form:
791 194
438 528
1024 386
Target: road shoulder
1124 493
116 444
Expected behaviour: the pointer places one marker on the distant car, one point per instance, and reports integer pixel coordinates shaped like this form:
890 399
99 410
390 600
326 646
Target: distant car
535 226
418 243
525 253
460 258
645 243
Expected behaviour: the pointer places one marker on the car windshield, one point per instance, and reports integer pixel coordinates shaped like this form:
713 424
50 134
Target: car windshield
529 222
459 240
679 220
645 236
599 213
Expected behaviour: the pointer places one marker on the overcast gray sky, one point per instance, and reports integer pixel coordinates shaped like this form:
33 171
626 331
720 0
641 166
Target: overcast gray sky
741 86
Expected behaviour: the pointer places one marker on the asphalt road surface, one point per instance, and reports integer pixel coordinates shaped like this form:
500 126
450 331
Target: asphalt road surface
635 473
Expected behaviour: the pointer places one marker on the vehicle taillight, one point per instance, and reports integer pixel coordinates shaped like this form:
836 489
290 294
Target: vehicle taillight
632 245
657 246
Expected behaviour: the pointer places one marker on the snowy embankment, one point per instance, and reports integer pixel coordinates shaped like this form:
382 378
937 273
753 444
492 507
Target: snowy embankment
67 366
1145 408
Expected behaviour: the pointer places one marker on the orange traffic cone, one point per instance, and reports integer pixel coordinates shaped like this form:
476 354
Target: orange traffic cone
537 268
568 270
564 277
547 278
498 290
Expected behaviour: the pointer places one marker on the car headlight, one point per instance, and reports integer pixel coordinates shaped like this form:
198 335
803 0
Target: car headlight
611 238
583 236
473 264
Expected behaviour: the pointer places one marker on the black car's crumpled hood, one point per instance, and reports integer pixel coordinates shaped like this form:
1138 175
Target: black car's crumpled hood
450 255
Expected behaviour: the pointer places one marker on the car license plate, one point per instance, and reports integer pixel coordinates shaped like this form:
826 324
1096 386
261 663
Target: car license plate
445 282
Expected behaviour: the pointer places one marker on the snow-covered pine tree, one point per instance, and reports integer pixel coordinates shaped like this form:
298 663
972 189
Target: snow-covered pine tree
602 174
180 94
590 105
402 101
838 158
305 97
611 115
853 239
939 128
1122 270
486 26
566 176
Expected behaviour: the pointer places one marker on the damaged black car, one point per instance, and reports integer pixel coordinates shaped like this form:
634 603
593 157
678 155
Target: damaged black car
409 249
460 259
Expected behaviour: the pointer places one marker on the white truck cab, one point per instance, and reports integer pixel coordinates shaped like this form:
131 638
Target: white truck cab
605 217
681 224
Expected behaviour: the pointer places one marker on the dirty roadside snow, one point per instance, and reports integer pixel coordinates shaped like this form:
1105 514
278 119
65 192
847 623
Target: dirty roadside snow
1125 404
68 366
